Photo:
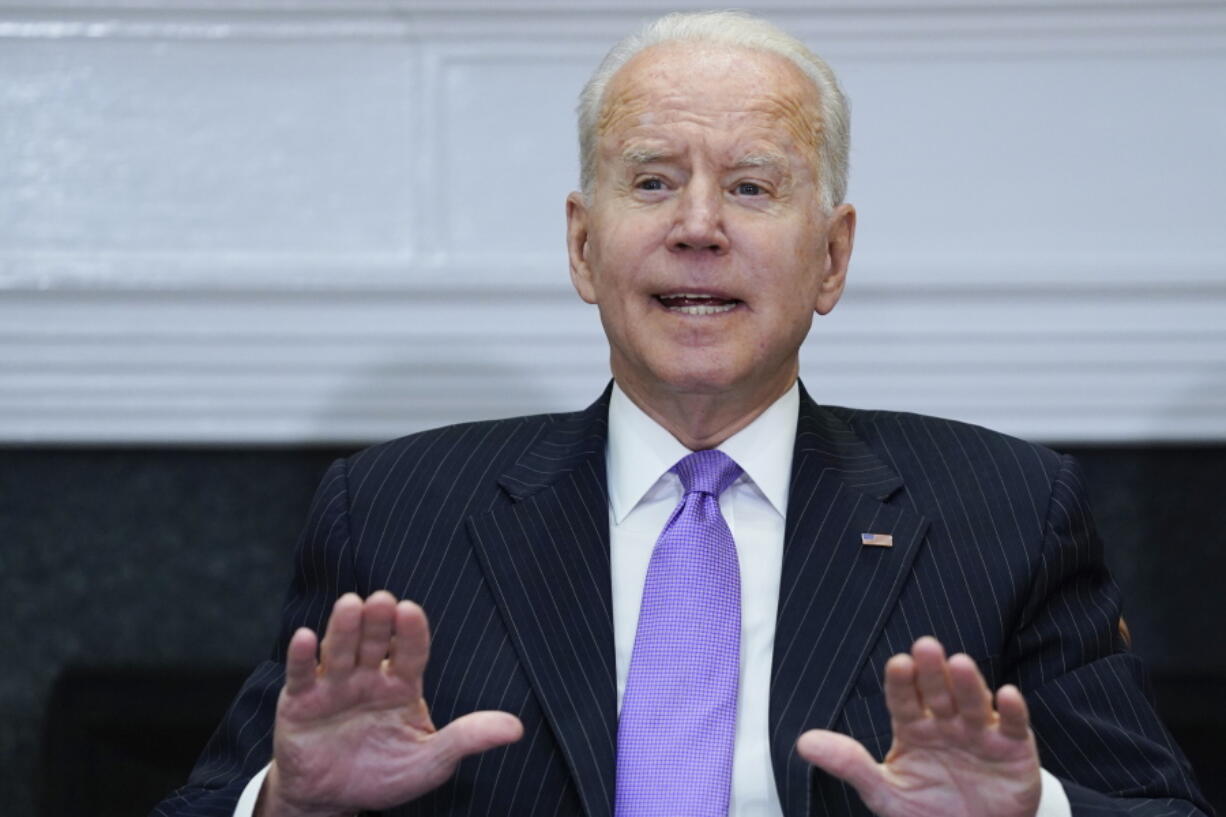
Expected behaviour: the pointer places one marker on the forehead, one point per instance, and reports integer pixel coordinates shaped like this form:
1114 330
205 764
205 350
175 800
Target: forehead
723 89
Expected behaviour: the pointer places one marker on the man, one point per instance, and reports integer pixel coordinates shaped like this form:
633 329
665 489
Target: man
685 599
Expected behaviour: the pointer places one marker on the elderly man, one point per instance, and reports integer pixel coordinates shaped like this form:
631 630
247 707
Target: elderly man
687 599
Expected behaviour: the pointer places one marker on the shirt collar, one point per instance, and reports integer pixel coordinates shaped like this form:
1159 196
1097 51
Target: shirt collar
640 451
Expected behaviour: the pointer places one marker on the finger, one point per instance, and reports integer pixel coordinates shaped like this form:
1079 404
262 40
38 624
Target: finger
844 758
377 616
901 696
932 677
300 663
971 695
476 732
338 652
411 644
1014 714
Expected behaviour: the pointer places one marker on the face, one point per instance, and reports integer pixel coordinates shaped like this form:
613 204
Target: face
704 242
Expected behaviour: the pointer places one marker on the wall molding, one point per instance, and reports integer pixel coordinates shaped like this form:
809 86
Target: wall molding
878 28
878 272
242 367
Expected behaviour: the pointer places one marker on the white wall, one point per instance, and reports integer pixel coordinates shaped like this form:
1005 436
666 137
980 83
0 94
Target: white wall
297 220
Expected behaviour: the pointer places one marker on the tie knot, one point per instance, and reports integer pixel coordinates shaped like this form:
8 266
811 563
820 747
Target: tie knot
709 471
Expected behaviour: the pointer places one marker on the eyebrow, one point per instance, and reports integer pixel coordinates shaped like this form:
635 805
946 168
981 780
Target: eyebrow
640 155
776 160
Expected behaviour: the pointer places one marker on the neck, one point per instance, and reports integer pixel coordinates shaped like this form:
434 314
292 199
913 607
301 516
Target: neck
704 419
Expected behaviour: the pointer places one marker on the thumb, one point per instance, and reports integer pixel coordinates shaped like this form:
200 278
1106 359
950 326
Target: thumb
842 757
477 732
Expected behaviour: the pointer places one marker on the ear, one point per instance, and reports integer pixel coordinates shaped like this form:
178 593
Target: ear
840 237
576 247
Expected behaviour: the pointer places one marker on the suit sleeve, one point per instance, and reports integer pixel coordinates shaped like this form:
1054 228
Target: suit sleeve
242 744
1096 728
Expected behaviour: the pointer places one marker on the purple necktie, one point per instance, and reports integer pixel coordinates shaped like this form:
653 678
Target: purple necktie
678 719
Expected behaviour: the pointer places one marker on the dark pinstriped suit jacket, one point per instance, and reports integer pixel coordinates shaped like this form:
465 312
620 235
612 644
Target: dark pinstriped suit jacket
500 530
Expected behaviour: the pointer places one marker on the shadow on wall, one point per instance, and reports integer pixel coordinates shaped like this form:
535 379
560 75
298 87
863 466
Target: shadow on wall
403 397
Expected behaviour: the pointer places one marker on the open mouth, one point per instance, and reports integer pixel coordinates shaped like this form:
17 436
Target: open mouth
691 303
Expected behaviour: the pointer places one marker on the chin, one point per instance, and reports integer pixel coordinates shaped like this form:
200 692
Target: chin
714 379
674 368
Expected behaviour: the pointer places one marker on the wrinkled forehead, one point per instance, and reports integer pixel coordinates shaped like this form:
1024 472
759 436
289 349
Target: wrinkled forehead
712 84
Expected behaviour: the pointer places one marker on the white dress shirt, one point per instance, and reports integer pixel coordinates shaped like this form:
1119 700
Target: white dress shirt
642 495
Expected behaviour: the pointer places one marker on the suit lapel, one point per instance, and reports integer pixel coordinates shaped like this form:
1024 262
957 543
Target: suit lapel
835 593
546 557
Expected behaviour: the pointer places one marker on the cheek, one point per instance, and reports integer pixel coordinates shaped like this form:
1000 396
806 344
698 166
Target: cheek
785 275
619 255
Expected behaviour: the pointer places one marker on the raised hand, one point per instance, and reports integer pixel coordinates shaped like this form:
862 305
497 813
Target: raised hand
954 754
353 732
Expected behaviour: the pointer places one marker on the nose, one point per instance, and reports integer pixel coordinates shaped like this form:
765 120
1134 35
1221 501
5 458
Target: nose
698 221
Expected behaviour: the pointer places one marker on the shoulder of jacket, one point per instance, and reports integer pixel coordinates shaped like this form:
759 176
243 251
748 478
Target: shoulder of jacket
929 435
512 434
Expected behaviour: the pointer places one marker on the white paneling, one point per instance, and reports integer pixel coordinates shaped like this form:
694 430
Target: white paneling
123 152
506 153
1096 171
234 220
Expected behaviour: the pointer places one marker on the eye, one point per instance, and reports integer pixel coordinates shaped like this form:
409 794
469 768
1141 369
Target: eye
650 184
749 189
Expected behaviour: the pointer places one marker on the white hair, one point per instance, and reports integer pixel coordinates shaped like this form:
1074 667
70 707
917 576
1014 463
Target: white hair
731 28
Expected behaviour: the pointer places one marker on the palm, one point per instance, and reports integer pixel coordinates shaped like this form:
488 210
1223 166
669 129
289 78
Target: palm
953 754
354 733
946 772
359 742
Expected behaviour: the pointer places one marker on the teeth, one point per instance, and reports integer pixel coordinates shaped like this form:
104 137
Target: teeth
682 302
702 310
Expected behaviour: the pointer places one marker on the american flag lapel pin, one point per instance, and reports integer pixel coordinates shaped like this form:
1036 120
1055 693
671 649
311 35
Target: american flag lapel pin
877 540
